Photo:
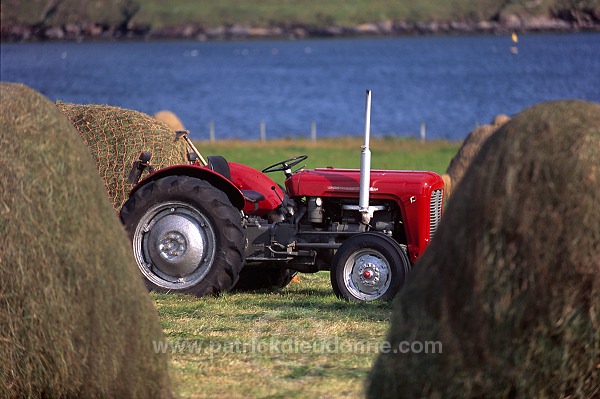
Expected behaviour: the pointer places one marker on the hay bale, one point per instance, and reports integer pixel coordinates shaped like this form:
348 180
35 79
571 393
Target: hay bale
510 286
75 318
500 120
117 136
469 149
169 119
447 186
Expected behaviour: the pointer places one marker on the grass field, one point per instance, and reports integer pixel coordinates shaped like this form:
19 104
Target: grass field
299 342
341 152
311 12
274 12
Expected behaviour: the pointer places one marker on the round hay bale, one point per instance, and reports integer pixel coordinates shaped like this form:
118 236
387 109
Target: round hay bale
500 120
465 155
510 286
169 119
117 136
447 186
75 318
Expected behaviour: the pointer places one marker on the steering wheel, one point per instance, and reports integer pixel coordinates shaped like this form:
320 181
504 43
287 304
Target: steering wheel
285 165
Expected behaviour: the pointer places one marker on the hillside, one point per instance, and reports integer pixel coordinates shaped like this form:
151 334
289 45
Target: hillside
73 19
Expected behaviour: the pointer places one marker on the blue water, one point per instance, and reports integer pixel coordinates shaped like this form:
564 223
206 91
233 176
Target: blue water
451 84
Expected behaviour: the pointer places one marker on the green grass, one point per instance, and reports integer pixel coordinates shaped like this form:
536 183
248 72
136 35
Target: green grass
299 342
344 152
311 12
276 12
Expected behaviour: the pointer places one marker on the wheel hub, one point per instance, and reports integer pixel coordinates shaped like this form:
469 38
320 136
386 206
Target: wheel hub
176 244
172 245
369 275
368 270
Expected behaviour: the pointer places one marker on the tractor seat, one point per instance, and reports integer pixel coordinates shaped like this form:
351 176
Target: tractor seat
253 196
219 165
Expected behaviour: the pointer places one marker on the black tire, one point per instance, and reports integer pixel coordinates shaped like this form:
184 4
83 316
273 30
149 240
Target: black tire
367 267
264 278
186 236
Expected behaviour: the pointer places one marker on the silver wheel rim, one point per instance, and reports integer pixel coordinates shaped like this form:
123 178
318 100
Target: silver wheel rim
174 245
367 274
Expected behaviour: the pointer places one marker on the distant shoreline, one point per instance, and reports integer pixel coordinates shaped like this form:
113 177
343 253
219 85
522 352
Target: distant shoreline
94 31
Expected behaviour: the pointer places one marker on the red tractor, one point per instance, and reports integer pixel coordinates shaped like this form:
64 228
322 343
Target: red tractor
203 227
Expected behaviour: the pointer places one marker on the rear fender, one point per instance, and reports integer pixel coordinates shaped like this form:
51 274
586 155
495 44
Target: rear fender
245 177
202 173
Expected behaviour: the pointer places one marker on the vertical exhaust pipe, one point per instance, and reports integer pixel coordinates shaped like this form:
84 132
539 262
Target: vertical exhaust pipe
365 167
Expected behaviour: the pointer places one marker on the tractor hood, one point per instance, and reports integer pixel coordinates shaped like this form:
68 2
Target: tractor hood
398 185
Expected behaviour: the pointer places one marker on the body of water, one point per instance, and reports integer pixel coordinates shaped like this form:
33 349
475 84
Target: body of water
451 84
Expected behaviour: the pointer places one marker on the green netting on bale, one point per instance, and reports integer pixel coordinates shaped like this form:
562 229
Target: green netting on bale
117 136
510 285
75 318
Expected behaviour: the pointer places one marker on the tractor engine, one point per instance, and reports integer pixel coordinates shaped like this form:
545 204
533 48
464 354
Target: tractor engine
321 211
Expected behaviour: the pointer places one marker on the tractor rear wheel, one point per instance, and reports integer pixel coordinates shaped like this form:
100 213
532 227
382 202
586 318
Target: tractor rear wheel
186 235
367 267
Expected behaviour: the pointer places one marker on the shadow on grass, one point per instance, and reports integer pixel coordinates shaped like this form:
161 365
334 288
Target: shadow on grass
311 302
312 298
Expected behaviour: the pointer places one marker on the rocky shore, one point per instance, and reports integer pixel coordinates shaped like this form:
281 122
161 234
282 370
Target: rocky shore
95 31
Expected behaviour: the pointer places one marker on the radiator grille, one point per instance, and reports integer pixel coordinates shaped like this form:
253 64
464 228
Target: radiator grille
435 211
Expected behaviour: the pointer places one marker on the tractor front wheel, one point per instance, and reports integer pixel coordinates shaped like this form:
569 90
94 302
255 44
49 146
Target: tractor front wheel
186 236
368 267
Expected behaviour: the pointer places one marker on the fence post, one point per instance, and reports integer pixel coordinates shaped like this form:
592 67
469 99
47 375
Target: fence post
313 132
422 132
211 131
263 131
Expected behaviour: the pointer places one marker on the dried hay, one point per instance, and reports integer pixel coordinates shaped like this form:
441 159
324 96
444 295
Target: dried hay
469 149
117 136
75 318
500 120
169 119
510 285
